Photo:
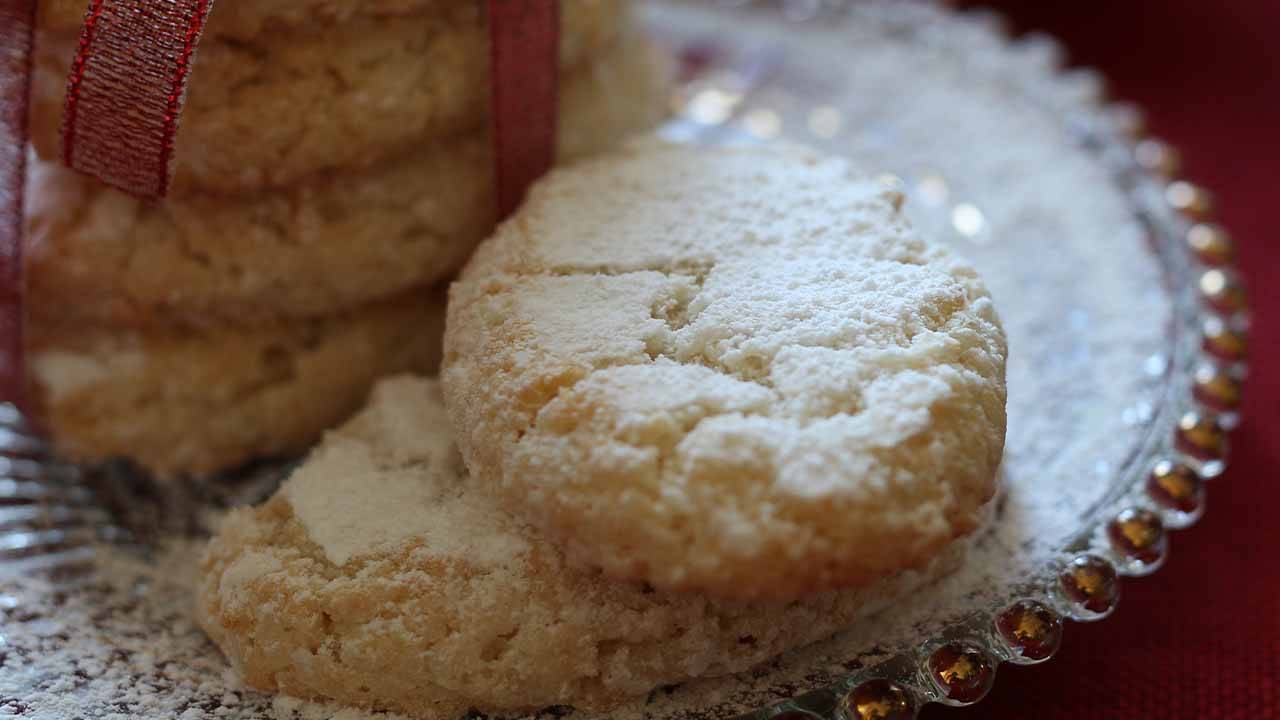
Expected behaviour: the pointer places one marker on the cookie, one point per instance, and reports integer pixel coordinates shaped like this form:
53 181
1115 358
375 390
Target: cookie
270 112
183 403
344 239
380 576
739 372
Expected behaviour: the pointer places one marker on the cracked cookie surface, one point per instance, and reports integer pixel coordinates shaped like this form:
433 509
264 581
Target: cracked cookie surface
739 372
336 241
271 112
193 402
379 576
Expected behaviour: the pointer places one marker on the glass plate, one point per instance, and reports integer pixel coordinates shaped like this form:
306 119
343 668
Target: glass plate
1126 334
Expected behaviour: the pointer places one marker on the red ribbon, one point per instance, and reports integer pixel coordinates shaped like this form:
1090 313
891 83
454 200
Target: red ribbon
125 90
524 42
17 21
124 98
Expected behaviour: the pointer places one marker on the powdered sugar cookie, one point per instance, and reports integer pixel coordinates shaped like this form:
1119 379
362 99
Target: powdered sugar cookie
379 576
733 371
192 402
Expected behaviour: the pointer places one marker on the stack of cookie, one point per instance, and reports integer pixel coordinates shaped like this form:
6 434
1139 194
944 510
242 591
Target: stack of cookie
333 167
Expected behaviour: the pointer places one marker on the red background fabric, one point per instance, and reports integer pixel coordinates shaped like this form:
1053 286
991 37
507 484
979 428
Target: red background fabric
1201 638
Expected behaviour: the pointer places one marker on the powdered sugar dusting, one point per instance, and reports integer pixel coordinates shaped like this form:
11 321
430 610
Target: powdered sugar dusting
123 645
980 145
349 510
354 502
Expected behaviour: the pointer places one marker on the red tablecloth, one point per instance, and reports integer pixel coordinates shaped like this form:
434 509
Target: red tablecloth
1201 638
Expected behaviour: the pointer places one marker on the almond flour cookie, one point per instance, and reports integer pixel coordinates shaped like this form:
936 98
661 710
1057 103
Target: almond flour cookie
733 371
340 240
192 403
380 577
267 113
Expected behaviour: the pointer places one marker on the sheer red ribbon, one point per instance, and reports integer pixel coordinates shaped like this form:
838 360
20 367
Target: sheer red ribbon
124 99
524 45
17 19
125 90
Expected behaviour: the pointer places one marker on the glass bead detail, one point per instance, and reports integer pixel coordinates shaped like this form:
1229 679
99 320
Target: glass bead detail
879 700
1201 436
962 671
1031 630
1138 535
1176 487
1211 244
1091 583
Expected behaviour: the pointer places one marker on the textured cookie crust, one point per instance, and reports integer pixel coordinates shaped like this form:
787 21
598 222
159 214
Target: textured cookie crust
193 403
340 240
380 577
271 111
733 371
